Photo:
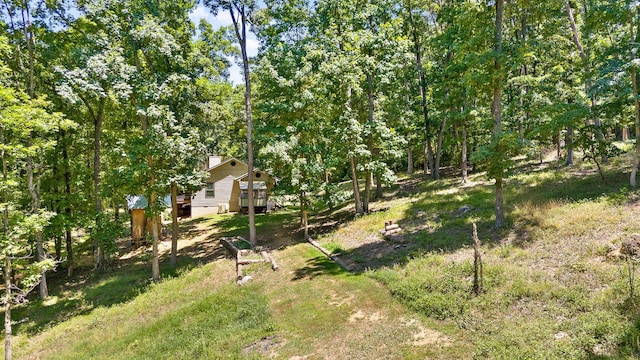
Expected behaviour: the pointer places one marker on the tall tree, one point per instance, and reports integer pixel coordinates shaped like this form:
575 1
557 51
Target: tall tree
496 111
26 125
100 78
634 31
241 13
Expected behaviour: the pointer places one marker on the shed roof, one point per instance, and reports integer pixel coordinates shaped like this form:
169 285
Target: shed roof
140 202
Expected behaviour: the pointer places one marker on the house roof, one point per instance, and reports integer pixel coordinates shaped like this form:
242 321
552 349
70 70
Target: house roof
225 162
239 178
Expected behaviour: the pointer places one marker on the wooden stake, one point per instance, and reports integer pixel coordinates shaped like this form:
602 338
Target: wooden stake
477 262
238 268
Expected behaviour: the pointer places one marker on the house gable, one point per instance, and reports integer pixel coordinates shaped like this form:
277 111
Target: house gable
232 167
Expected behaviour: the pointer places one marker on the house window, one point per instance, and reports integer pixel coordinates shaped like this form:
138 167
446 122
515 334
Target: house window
210 192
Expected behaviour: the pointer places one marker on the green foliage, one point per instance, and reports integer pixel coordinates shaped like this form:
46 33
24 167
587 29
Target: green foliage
106 231
497 157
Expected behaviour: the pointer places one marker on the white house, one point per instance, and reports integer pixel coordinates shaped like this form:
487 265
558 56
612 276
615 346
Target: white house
226 186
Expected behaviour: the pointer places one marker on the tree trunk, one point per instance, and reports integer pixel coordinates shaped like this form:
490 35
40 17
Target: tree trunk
153 203
327 195
409 157
152 208
378 186
435 172
636 103
8 353
583 56
100 256
568 142
35 208
356 188
625 133
465 177
174 224
58 246
304 220
558 147
35 196
33 191
155 260
7 256
496 111
588 84
523 72
367 192
407 100
241 34
369 173
56 204
67 192
429 158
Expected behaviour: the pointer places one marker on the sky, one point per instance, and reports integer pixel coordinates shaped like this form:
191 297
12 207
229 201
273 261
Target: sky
224 19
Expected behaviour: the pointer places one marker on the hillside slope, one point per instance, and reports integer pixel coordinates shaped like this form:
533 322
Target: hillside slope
309 308
552 286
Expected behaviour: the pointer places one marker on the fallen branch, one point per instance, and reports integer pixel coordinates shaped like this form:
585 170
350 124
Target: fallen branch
331 256
228 244
391 226
268 258
249 261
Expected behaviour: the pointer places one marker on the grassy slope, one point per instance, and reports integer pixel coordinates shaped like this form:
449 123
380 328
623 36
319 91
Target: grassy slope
550 290
309 307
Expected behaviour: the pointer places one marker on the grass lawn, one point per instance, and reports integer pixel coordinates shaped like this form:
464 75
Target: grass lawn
551 288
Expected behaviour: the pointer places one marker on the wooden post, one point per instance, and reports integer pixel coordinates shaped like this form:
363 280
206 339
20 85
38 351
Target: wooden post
477 262
238 268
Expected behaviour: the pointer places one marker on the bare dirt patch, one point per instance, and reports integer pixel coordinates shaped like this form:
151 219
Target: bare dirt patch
361 315
340 300
423 336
